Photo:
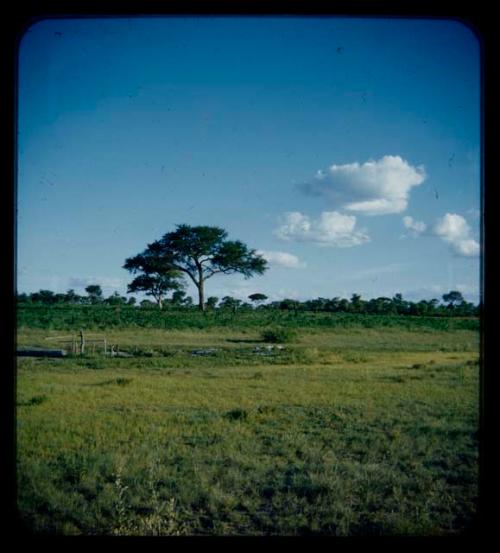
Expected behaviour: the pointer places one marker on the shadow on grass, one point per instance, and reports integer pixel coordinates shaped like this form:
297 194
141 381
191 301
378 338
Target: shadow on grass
245 341
35 400
119 381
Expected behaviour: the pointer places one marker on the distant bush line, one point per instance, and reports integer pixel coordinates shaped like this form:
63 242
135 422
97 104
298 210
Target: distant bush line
60 317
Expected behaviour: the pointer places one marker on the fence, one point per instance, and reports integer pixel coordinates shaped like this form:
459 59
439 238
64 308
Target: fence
79 343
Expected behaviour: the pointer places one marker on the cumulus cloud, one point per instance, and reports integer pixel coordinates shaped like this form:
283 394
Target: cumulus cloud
373 188
281 259
417 227
330 229
453 228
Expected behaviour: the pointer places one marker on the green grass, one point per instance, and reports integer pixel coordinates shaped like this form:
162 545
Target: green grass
345 431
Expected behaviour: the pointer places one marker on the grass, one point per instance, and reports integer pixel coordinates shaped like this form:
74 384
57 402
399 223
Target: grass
342 432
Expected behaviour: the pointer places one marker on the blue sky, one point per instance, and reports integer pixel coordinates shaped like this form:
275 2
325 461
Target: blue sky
346 151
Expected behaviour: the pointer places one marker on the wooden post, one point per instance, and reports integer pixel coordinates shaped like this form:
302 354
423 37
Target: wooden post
82 343
105 347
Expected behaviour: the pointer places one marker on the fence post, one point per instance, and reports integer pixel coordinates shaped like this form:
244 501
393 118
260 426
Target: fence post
82 343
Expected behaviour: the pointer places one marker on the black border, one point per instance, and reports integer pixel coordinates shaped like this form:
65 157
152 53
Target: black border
479 19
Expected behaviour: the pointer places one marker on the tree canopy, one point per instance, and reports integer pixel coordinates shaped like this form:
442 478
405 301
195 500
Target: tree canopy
94 292
154 277
200 252
257 297
453 297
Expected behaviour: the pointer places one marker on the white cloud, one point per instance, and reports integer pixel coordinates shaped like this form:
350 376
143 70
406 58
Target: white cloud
282 259
418 227
330 229
453 228
374 188
467 248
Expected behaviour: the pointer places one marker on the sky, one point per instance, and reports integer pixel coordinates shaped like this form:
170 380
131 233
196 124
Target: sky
346 151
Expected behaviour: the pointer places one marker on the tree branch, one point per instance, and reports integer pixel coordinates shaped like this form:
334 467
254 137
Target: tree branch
184 270
213 272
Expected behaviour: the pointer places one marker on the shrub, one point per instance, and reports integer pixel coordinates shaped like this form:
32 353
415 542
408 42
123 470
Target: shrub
237 414
278 335
35 400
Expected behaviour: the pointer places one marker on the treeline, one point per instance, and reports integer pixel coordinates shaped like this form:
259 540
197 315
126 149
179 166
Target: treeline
452 304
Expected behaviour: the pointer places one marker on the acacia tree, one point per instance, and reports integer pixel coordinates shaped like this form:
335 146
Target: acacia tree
200 252
94 292
452 298
257 298
155 277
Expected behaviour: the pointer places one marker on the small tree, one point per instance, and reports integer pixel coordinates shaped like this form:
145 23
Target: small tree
116 299
72 297
257 298
341 305
155 286
288 304
155 277
400 305
212 302
60 298
44 296
318 304
228 302
452 298
357 304
94 292
178 298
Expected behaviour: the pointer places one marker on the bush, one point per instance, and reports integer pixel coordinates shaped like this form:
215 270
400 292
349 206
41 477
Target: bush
278 335
237 414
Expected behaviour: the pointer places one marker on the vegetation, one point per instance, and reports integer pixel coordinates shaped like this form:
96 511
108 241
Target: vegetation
199 252
257 298
61 317
454 307
346 430
279 335
328 416
153 281
94 292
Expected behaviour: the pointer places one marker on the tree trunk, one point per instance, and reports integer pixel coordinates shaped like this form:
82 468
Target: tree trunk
201 294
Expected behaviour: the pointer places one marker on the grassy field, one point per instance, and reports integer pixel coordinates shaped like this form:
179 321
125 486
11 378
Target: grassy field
344 431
